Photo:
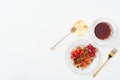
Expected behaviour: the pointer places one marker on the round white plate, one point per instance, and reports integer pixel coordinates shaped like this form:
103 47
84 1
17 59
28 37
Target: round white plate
91 68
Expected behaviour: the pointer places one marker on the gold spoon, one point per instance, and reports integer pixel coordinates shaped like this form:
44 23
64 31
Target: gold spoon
111 54
79 28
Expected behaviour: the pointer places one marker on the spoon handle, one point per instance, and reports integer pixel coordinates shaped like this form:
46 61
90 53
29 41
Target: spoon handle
59 41
100 68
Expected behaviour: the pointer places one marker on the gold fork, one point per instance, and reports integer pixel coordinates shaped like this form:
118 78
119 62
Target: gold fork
111 54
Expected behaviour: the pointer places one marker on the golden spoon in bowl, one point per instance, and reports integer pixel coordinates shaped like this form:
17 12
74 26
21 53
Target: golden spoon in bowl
79 28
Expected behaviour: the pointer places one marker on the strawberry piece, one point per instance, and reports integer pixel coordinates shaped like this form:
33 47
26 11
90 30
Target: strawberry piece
94 50
90 46
77 51
81 52
92 54
84 64
73 55
87 60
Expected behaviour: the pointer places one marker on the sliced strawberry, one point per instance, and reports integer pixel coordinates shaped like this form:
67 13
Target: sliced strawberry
73 56
84 64
87 60
81 52
94 50
92 54
77 51
90 46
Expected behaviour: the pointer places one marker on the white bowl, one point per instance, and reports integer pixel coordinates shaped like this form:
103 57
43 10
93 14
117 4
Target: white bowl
91 68
108 41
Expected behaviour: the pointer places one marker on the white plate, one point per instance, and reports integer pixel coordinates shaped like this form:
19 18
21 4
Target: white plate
91 68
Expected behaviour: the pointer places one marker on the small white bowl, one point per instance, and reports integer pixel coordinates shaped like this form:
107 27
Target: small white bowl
91 68
112 37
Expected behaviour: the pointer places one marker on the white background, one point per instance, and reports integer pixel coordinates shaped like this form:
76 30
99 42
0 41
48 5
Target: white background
28 28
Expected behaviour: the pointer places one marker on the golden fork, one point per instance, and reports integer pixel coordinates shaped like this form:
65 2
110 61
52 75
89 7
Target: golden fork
111 54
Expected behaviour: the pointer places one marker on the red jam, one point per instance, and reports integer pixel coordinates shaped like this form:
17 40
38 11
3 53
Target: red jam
103 30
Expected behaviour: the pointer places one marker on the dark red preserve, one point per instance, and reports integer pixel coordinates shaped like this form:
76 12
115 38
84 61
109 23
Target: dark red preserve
103 30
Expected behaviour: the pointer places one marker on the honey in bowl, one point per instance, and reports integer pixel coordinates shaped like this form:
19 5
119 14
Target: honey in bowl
80 27
103 30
